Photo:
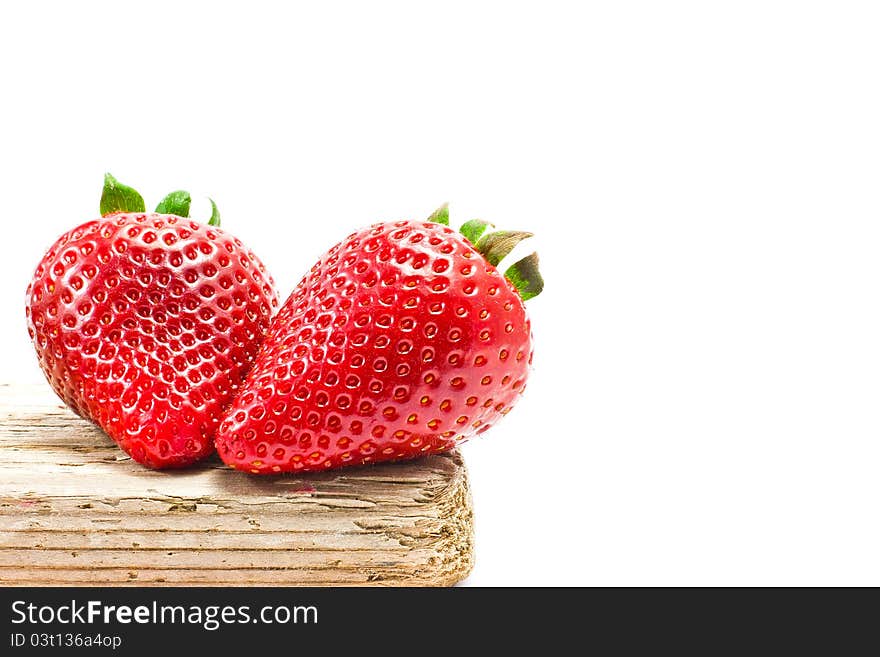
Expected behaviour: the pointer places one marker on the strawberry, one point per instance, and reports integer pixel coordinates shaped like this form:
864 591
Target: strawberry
146 324
403 339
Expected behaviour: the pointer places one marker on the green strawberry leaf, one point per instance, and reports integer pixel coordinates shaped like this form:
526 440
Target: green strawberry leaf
525 277
175 203
116 197
440 215
495 246
473 229
215 214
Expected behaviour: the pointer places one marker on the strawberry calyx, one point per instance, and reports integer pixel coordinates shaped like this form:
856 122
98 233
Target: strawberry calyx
116 198
524 274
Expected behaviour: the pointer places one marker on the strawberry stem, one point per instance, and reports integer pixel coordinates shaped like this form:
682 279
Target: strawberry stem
525 277
116 197
175 203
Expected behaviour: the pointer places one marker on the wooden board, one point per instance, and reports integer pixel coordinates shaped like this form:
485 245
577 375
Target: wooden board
75 510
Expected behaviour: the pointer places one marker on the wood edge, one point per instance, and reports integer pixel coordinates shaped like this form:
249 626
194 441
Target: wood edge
455 548
457 545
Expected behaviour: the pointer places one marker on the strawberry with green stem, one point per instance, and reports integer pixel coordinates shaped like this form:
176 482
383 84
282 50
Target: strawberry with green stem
146 323
402 340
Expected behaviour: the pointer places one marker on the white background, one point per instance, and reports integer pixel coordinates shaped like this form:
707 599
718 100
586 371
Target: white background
703 178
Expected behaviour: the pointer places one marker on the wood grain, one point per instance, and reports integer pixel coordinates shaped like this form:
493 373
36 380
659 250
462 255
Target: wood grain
75 510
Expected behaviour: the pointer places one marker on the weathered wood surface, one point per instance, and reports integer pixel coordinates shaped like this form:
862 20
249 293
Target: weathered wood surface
74 509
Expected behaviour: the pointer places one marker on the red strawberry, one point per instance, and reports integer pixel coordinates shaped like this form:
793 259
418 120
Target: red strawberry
404 339
147 323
